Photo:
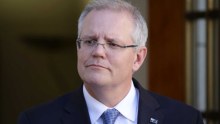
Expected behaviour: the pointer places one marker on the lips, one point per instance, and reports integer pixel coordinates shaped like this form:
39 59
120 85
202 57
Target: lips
96 66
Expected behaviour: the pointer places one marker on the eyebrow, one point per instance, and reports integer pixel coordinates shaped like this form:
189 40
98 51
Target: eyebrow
89 37
106 38
111 39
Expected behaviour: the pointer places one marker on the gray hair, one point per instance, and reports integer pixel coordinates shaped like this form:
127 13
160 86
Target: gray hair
140 33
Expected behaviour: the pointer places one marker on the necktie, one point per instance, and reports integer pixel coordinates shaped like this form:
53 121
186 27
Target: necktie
109 116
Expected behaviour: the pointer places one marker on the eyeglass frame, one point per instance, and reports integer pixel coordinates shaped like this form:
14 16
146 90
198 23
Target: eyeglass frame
79 40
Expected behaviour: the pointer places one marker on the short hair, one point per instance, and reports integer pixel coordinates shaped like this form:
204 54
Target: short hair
140 32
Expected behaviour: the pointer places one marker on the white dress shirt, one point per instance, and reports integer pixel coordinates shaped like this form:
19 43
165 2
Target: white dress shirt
128 107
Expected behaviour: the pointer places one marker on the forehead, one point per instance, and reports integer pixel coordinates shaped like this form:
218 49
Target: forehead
107 23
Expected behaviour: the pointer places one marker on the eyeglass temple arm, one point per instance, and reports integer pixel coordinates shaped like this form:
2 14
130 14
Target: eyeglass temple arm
78 43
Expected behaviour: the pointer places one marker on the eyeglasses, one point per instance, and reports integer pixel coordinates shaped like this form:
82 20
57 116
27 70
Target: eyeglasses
90 44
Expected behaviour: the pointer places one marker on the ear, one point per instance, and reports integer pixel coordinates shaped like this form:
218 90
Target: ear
139 59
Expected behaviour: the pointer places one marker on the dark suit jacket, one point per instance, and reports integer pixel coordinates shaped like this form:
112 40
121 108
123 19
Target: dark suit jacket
72 109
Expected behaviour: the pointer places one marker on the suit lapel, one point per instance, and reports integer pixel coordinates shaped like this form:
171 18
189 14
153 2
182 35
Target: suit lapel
148 111
75 111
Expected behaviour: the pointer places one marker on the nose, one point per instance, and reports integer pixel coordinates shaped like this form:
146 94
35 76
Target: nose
99 50
101 44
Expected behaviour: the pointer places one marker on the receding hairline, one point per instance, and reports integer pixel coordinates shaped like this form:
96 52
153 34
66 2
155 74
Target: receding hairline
122 10
119 11
114 5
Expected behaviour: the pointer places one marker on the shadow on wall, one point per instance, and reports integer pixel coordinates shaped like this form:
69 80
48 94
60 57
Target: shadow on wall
38 53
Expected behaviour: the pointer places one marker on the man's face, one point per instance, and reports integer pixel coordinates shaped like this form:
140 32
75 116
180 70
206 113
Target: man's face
99 65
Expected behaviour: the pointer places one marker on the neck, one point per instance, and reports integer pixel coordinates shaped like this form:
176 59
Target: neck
109 95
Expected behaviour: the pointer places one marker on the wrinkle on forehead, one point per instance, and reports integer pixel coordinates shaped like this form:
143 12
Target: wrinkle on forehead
99 22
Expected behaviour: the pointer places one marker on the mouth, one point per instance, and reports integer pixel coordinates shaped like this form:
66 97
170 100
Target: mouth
96 66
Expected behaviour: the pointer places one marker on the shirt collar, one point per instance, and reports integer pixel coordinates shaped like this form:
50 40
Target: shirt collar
95 107
128 107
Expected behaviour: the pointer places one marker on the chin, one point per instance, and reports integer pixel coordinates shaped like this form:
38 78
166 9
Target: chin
97 80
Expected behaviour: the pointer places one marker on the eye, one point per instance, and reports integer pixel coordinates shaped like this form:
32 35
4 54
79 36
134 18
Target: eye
113 45
90 42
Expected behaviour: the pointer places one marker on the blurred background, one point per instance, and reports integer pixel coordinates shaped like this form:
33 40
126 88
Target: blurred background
38 52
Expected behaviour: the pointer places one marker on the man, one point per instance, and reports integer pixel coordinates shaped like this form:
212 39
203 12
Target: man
110 48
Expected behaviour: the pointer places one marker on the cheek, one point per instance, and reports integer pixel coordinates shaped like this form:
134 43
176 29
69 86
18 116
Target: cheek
81 58
123 62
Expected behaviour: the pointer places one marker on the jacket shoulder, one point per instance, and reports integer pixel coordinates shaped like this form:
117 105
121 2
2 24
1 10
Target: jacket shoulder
49 112
169 110
176 111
